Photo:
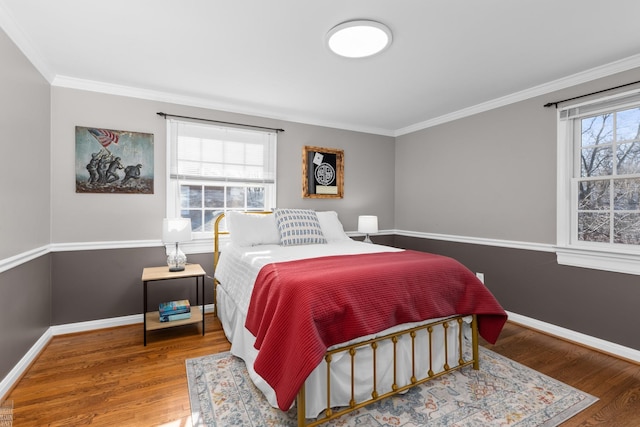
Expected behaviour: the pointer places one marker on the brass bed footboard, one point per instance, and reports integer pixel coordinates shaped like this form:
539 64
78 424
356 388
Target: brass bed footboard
428 330
330 413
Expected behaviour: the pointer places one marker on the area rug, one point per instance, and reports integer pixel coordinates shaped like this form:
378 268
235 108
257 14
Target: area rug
501 393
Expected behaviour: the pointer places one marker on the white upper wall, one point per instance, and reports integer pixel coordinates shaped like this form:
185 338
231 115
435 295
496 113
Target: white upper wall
85 217
24 142
491 175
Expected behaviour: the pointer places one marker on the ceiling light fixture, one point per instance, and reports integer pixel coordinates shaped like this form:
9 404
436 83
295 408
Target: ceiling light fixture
359 38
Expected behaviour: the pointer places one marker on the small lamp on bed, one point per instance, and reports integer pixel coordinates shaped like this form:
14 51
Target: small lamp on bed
367 224
176 230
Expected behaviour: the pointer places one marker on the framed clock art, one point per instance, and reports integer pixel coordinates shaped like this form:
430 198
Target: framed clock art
322 173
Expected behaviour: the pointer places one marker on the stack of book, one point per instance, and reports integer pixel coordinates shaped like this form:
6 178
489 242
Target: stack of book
175 310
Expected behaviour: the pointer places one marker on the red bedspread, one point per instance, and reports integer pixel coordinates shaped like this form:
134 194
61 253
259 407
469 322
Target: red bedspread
300 308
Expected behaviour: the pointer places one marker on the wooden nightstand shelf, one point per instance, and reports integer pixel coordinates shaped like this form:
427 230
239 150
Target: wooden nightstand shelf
152 274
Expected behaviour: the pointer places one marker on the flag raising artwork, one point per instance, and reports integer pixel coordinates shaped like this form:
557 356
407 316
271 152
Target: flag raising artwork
113 161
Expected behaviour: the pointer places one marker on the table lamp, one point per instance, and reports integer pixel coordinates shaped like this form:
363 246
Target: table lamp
367 224
176 230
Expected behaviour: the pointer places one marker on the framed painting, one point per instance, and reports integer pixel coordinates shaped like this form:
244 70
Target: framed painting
113 161
322 173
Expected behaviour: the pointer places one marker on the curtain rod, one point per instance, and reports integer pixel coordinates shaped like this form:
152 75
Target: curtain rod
165 115
549 104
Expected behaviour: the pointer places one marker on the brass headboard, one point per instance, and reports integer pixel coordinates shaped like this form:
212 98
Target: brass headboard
217 233
216 254
216 239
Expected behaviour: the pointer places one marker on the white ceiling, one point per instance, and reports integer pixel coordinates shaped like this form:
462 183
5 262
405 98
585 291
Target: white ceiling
269 57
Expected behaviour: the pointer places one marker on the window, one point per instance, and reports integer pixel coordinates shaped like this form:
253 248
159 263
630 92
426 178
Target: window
599 184
213 169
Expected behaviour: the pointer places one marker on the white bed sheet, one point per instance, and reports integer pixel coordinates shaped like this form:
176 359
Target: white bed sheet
236 272
238 266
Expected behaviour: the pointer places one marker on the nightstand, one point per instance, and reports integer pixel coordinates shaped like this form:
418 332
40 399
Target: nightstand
154 274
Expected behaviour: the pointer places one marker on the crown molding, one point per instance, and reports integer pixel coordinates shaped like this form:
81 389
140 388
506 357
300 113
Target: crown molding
7 23
625 64
194 101
622 65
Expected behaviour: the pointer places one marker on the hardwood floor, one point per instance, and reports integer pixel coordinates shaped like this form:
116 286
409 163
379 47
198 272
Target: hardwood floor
108 378
614 381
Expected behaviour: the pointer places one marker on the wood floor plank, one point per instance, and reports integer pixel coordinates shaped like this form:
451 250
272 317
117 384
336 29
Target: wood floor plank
107 377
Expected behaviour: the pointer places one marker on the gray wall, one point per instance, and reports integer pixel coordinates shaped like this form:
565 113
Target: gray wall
82 217
24 206
532 284
103 283
37 134
493 176
487 176
25 113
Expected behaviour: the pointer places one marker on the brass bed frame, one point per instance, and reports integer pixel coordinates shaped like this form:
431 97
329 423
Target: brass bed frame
330 413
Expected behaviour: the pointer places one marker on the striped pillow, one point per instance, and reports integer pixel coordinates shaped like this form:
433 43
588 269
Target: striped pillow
299 227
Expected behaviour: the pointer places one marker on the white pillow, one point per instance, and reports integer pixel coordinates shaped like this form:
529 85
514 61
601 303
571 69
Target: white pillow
299 227
247 229
332 228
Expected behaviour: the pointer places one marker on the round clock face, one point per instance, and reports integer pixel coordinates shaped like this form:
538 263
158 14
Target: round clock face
325 174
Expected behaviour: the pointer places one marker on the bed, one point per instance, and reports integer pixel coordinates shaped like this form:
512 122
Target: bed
331 324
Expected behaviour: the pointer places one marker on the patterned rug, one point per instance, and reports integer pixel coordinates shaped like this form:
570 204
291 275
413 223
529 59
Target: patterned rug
501 393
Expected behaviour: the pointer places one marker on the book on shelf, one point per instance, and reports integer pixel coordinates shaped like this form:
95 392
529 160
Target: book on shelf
178 311
173 317
174 307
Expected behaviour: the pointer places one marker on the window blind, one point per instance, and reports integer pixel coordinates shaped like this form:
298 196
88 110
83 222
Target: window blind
209 152
600 105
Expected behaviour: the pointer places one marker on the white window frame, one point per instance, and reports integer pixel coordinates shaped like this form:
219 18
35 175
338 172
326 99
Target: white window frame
202 241
601 256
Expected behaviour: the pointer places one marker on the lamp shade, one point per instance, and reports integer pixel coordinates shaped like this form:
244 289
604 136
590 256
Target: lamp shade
176 230
367 224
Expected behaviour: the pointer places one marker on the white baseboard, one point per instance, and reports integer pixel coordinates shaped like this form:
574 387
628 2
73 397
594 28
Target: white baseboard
91 325
576 337
16 373
607 347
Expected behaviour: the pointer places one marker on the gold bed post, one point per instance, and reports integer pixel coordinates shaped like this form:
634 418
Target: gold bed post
216 255
215 298
300 403
474 343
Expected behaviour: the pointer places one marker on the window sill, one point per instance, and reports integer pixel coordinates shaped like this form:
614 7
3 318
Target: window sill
608 260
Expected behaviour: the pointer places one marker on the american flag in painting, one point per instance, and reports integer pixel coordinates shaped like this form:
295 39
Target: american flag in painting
104 136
